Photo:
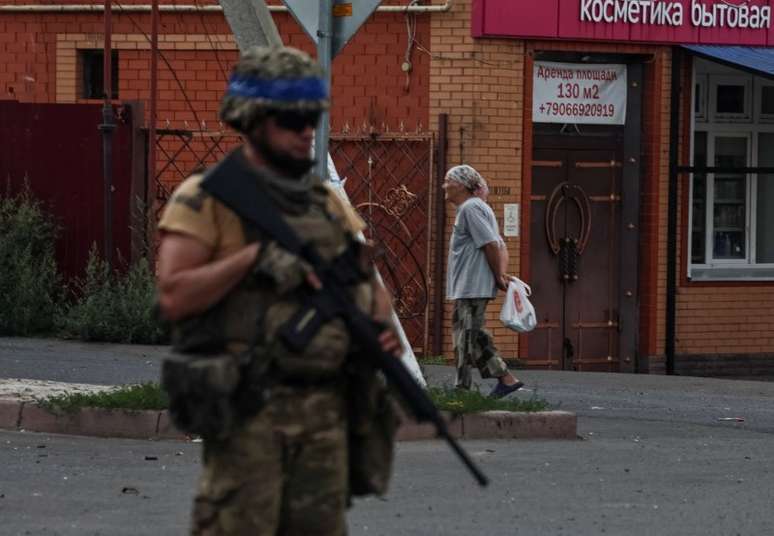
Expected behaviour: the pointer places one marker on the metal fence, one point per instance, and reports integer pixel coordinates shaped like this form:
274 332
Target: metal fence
388 179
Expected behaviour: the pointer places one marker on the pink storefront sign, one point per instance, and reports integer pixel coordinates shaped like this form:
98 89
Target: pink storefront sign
709 22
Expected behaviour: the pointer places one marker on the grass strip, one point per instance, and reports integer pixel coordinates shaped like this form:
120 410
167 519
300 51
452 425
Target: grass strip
432 360
147 396
464 401
150 396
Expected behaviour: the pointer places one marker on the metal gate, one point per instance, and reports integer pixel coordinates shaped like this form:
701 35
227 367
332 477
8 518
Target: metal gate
182 152
388 179
55 150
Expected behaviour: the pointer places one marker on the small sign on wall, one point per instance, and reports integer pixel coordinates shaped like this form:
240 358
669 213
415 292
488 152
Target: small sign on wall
511 219
579 93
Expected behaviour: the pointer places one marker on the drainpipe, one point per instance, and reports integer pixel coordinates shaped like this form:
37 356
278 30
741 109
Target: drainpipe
671 283
59 8
107 128
440 225
154 76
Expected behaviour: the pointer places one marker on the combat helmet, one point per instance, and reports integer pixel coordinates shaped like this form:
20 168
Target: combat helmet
267 79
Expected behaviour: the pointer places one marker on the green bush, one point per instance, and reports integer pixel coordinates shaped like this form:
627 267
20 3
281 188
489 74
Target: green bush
114 307
30 286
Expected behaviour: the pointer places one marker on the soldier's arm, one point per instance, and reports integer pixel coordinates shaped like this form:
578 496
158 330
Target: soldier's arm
189 282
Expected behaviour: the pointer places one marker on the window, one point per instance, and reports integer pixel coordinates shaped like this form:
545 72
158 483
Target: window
764 99
700 99
764 202
699 205
730 98
728 195
719 215
91 64
731 216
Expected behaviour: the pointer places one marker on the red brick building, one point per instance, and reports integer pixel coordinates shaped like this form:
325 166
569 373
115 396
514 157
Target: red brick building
671 261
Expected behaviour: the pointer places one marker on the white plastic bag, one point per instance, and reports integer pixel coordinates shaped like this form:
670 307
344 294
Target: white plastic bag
518 313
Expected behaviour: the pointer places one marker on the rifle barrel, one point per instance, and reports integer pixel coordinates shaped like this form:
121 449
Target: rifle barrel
417 399
480 477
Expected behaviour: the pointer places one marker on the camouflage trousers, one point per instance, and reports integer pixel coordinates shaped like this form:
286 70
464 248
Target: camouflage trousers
284 472
473 345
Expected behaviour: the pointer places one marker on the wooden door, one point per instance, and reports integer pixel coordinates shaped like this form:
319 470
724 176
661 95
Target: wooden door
575 258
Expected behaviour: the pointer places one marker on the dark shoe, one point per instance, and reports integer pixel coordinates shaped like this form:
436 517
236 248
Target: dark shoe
501 390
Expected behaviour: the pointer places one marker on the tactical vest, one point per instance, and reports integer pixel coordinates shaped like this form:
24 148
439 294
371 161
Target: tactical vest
253 312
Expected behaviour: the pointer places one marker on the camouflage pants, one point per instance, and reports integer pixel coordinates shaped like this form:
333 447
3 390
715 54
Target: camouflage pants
473 345
283 473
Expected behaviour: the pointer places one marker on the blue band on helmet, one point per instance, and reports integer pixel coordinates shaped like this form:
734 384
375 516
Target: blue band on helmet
281 89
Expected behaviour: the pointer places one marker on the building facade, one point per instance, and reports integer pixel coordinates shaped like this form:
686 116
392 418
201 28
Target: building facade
626 144
666 267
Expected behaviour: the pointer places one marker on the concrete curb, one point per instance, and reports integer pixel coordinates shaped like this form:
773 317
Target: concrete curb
98 422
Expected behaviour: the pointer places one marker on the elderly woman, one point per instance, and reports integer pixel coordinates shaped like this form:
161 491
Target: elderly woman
476 269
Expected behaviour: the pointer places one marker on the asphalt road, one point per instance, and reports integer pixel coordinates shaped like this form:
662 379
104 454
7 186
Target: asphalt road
627 478
79 362
658 455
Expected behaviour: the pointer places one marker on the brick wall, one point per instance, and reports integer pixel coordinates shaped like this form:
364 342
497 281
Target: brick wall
714 320
39 63
479 84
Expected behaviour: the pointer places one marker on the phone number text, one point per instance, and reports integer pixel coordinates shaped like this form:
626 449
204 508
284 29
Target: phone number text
575 109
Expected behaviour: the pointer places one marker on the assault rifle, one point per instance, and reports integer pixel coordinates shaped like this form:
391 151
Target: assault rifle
234 184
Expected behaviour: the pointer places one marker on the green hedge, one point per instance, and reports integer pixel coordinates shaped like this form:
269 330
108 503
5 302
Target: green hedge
105 305
30 286
113 307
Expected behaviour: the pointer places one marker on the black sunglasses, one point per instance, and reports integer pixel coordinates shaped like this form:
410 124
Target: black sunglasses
295 120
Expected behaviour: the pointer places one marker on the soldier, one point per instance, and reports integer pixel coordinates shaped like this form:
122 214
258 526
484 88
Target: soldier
280 467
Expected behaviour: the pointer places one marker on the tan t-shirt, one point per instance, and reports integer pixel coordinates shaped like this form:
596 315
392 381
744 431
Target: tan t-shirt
191 211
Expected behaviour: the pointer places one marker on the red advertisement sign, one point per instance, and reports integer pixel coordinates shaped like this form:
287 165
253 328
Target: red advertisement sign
709 22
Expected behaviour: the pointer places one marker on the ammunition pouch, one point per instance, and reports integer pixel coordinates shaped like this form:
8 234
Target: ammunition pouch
373 423
201 391
319 358
209 395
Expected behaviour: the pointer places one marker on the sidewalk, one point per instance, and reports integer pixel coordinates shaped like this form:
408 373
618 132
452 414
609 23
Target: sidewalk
34 369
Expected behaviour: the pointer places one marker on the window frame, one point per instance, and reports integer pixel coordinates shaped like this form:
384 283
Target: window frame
728 269
758 95
85 58
745 81
709 236
700 83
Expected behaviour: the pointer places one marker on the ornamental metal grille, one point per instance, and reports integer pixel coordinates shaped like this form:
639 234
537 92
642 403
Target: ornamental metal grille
388 180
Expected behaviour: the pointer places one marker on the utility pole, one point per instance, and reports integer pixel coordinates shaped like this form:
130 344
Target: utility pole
330 24
325 59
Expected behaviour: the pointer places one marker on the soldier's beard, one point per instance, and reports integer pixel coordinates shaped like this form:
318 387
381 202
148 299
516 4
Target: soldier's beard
279 160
